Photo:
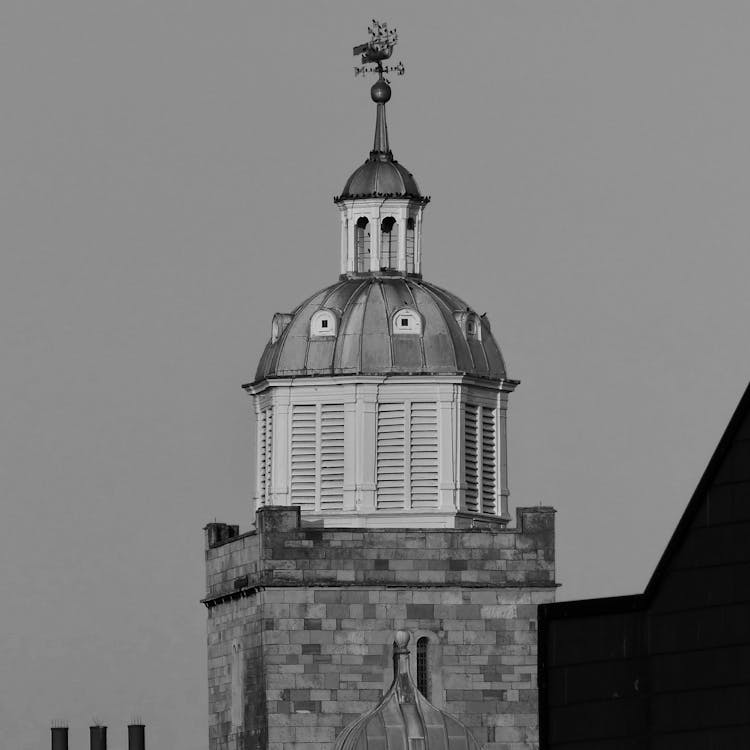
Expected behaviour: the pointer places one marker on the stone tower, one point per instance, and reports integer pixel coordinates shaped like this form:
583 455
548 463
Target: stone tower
381 500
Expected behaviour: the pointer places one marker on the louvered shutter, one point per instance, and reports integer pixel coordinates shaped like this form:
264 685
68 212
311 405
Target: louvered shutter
471 459
303 456
262 448
332 457
423 455
265 440
488 461
390 464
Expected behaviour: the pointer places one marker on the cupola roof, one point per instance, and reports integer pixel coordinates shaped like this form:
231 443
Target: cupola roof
404 718
365 339
381 177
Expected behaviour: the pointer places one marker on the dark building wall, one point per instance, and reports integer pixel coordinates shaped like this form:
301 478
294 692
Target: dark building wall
670 668
593 678
316 610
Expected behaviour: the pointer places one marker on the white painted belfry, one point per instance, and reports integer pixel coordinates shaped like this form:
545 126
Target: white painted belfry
360 399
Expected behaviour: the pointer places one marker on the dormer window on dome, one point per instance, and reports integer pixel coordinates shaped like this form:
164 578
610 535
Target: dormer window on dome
323 323
407 321
470 323
278 325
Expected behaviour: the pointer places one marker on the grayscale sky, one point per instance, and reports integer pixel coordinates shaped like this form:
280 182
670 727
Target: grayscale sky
167 171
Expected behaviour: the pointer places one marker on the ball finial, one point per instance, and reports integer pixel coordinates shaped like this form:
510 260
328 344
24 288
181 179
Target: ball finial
380 91
402 639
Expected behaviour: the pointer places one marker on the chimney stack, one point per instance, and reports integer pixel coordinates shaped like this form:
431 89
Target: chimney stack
98 737
136 735
59 737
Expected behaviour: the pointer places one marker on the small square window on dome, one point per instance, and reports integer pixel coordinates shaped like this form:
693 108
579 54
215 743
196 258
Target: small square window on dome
407 321
323 323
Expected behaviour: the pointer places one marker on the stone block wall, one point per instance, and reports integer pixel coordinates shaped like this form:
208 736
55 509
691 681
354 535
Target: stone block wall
314 611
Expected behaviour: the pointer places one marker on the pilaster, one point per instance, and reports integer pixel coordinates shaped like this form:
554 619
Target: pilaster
365 448
280 448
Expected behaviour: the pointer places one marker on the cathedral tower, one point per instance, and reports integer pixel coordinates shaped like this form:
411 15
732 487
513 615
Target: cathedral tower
381 498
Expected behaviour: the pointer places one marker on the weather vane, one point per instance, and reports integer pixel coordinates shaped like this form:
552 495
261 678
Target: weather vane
379 48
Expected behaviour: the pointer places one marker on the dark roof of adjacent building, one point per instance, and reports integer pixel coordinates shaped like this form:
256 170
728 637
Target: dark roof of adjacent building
365 344
671 662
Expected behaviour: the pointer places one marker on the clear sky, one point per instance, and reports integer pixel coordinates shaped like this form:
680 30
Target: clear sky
166 176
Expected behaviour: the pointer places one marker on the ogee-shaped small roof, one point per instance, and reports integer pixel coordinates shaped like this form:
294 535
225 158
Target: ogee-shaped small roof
404 719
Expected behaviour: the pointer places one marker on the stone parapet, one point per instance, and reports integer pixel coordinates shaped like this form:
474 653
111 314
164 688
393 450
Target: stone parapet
280 551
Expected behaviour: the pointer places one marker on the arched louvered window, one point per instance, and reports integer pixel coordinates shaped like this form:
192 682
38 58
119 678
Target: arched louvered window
423 666
410 246
362 244
388 243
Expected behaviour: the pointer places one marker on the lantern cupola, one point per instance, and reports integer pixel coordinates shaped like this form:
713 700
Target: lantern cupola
381 205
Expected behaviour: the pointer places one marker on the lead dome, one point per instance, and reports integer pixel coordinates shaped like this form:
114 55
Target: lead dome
365 339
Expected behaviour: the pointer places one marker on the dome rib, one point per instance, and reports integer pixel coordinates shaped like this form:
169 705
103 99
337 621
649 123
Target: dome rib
447 313
345 316
388 315
421 338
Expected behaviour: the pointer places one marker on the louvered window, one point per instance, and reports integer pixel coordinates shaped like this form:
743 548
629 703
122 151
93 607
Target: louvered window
423 469
303 463
480 459
407 456
265 441
317 456
390 458
471 441
489 495
332 457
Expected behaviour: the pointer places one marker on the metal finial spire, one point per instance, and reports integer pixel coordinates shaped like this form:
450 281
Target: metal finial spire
379 48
